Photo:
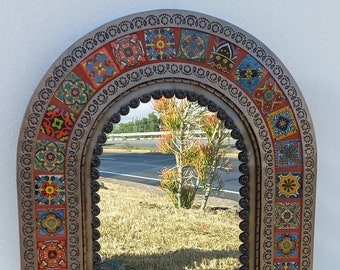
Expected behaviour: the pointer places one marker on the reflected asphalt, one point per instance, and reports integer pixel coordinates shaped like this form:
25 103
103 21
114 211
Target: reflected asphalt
145 166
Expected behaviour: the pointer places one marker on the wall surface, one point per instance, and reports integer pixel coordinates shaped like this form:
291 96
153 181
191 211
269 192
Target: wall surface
303 34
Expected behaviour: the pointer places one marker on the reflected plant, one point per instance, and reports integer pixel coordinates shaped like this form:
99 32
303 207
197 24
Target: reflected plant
197 162
211 157
179 119
169 182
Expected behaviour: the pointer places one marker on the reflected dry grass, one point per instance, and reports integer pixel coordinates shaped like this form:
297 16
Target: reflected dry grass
140 229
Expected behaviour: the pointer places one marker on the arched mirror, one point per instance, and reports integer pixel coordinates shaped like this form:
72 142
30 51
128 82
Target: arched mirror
150 55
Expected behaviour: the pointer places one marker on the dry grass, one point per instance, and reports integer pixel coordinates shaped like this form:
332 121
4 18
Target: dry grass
140 229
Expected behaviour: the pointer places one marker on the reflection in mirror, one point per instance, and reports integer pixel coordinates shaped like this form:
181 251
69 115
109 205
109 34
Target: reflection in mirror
145 223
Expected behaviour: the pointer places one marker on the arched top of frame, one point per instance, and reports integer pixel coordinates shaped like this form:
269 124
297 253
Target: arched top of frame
172 47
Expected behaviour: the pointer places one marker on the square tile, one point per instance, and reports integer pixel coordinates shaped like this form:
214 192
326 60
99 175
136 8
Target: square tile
99 67
288 185
288 153
193 45
49 156
57 123
268 97
160 43
128 51
282 123
249 73
51 222
223 55
286 266
50 189
287 215
286 245
74 92
52 255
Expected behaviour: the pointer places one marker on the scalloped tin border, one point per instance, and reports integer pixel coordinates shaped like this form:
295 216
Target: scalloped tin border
124 58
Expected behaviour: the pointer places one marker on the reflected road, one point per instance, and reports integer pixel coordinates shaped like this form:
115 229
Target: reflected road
145 167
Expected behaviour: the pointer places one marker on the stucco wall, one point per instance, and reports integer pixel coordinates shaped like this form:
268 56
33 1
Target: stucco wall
303 34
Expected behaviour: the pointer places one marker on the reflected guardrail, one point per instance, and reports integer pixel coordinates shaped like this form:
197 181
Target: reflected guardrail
152 135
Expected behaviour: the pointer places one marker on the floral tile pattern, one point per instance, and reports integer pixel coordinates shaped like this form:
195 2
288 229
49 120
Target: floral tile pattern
249 73
223 55
160 44
268 96
288 185
50 189
74 92
193 45
52 255
49 156
128 51
288 153
286 266
286 245
282 123
57 123
51 222
100 67
287 215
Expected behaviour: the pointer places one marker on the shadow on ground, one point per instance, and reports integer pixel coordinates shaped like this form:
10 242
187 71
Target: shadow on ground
177 260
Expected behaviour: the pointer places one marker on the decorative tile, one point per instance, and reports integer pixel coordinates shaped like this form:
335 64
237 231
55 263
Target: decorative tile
249 73
287 215
100 67
268 96
193 45
160 43
57 123
223 55
286 266
50 189
52 255
288 153
282 123
288 185
74 92
51 222
49 156
286 245
128 51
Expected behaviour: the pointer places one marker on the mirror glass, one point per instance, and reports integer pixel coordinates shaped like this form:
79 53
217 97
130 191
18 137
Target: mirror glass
142 224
